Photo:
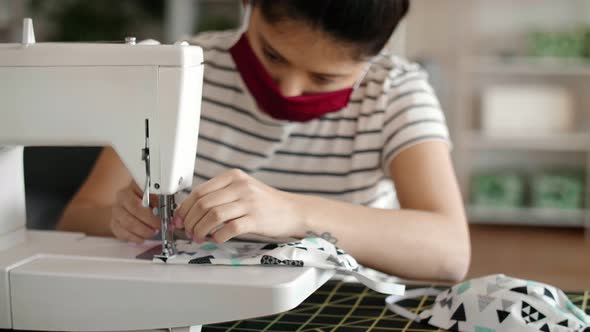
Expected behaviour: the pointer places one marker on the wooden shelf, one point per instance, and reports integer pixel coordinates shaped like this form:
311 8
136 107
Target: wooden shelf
527 216
570 142
527 65
477 63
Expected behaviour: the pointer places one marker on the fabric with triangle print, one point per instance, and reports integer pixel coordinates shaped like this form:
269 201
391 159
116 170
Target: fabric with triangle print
498 303
307 252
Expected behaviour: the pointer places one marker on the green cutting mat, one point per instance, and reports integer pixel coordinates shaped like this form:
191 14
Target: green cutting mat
347 307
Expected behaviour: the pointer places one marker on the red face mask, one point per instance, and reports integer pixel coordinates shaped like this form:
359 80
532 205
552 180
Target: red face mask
270 98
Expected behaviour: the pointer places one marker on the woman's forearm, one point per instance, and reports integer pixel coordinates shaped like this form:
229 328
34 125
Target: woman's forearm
407 243
86 219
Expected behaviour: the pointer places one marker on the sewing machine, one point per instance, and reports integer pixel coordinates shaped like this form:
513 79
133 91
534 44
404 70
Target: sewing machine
144 101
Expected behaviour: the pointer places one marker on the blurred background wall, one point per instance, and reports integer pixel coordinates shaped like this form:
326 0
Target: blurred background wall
512 77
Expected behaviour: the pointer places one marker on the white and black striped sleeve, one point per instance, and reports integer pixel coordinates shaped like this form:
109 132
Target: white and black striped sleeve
412 115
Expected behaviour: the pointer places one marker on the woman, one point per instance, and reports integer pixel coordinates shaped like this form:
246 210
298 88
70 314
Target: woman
306 127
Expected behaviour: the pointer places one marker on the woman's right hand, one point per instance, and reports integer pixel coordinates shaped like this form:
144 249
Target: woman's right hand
130 221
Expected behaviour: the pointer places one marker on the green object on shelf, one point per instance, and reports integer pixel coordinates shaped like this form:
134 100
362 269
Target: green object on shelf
558 189
499 189
568 43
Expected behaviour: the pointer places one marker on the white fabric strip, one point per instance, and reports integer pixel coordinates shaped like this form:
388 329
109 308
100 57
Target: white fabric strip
392 301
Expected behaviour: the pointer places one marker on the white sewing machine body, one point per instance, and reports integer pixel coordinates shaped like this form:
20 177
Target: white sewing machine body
70 282
101 94
96 95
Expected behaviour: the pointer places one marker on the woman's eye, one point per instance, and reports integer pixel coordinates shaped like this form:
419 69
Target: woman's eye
271 56
322 80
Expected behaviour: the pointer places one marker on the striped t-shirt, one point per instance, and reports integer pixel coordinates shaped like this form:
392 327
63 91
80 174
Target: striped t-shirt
344 155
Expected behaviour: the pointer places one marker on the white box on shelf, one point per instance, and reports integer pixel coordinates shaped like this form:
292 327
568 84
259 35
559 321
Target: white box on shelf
527 109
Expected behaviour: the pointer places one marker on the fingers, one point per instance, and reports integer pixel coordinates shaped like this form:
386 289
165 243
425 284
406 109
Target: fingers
215 184
216 217
233 228
154 199
204 204
135 188
121 233
133 224
130 220
132 204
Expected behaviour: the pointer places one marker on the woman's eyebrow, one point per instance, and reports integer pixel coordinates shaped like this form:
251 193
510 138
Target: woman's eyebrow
266 45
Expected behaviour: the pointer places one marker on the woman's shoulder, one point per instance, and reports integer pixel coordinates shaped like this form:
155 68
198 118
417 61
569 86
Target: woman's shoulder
394 82
411 111
394 73
214 40
389 79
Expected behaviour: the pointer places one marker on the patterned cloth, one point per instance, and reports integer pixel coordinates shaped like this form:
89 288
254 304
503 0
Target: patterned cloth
498 303
308 252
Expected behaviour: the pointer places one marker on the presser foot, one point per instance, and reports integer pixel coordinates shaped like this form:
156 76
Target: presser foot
166 211
168 251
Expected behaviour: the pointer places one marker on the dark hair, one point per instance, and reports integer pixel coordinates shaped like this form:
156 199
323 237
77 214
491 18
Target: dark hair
366 24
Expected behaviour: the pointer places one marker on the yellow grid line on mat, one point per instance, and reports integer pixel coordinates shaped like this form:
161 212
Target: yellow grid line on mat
315 310
417 310
319 305
330 296
364 319
274 321
391 317
233 326
381 315
352 309
245 329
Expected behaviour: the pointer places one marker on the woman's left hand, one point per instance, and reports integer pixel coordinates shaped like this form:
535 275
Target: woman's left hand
235 203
